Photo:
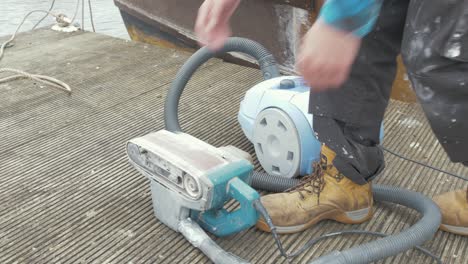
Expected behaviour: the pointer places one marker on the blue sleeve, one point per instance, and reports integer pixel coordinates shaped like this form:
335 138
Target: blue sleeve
355 16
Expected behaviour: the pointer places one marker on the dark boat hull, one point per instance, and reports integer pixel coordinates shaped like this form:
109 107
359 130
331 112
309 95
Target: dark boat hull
169 23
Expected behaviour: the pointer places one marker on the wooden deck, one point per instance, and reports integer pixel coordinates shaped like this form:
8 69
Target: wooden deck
68 194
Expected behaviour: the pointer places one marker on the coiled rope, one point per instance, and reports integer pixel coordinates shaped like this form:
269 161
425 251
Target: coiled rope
19 74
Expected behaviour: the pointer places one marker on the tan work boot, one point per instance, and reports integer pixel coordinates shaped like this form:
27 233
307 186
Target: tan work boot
454 208
326 194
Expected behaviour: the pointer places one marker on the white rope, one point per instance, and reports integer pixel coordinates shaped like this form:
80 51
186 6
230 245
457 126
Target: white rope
91 15
82 14
47 80
61 20
19 74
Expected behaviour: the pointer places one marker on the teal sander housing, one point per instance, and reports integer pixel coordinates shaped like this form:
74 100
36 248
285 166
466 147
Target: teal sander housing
191 181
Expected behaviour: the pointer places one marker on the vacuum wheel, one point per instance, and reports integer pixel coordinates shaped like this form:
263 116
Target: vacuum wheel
277 143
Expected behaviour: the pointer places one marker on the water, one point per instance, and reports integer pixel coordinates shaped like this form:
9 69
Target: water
107 18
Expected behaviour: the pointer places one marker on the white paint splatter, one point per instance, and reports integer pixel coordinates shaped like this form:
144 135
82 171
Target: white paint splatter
91 213
410 122
416 46
344 151
291 21
414 145
426 93
128 233
427 52
428 68
454 51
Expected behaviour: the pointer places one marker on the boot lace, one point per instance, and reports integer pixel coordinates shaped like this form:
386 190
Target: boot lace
315 180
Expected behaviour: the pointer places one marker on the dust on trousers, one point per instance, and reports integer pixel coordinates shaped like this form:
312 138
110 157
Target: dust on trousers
432 37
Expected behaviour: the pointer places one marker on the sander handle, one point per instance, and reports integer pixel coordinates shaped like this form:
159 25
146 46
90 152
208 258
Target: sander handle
222 223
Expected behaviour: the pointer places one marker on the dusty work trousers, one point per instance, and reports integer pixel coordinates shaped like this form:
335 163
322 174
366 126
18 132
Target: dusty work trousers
432 36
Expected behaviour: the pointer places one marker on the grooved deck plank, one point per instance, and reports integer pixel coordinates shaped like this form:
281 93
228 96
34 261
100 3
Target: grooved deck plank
68 194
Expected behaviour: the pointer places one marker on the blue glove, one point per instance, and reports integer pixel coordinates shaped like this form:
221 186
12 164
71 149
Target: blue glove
355 16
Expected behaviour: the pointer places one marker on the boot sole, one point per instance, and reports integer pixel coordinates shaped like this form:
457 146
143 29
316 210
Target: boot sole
457 230
351 217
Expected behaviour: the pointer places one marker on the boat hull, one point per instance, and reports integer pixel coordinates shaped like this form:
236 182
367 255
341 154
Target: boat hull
278 27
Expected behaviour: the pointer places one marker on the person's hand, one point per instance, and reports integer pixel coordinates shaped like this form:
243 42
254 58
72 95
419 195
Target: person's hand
212 25
326 56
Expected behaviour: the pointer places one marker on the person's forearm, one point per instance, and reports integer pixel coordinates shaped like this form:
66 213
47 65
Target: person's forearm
355 16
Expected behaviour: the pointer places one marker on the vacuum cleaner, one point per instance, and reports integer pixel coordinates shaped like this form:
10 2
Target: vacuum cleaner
191 181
